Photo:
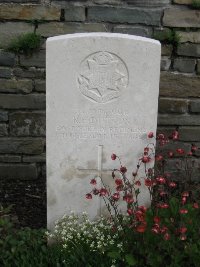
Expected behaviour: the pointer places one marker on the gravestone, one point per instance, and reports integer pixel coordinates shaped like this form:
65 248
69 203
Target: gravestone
102 97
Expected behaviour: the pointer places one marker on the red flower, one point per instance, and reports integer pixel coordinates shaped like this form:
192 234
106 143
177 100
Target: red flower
156 219
182 230
146 159
103 192
196 205
146 149
113 156
163 206
183 211
148 182
155 229
142 208
138 183
141 228
158 157
123 169
175 135
167 236
189 153
172 184
88 196
170 154
130 211
194 148
116 196
160 137
163 230
161 180
180 151
118 182
163 193
185 194
93 182
150 135
183 201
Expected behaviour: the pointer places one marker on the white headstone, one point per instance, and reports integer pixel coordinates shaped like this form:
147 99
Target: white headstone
102 97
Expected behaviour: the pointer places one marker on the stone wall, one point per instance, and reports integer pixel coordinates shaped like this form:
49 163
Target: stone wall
22 81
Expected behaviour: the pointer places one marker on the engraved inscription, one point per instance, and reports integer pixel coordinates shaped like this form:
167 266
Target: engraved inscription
103 77
98 124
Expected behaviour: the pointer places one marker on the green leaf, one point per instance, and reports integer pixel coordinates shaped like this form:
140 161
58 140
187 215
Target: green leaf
130 260
114 255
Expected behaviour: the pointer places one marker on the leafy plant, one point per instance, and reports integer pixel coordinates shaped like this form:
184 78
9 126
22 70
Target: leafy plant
168 37
26 43
196 4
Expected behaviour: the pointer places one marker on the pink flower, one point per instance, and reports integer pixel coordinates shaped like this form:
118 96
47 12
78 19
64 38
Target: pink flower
138 183
195 205
167 236
183 237
185 194
146 159
88 196
194 148
93 182
172 184
170 154
156 219
116 196
182 230
180 151
150 135
161 180
175 135
103 192
113 156
158 157
118 182
130 211
183 211
163 206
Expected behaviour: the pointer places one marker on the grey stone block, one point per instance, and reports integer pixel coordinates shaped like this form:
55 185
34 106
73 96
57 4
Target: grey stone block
176 85
29 73
187 49
10 158
195 106
27 124
149 3
166 50
3 129
36 60
125 15
5 73
190 37
134 30
165 63
31 146
187 120
179 17
58 28
6 58
18 171
198 66
16 86
75 13
13 101
3 115
170 105
37 158
190 134
40 86
185 65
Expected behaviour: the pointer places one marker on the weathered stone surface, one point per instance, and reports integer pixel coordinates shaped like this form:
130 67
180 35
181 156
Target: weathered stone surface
3 129
195 106
182 2
75 13
31 72
165 63
179 120
191 134
59 28
148 3
5 73
18 171
170 105
32 146
11 30
191 50
3 115
176 85
20 1
178 17
184 65
10 158
6 58
166 50
127 15
13 101
28 12
134 30
27 123
36 59
40 86
198 66
192 37
16 86
36 158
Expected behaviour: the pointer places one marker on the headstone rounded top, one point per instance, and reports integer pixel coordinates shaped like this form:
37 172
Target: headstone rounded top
103 35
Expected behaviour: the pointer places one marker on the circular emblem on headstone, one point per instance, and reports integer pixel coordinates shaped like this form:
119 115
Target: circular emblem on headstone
103 77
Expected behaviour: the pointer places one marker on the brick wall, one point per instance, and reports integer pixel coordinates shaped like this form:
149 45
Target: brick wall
22 81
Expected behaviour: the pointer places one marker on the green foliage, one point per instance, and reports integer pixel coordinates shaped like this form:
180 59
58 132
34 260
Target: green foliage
26 43
196 4
168 37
